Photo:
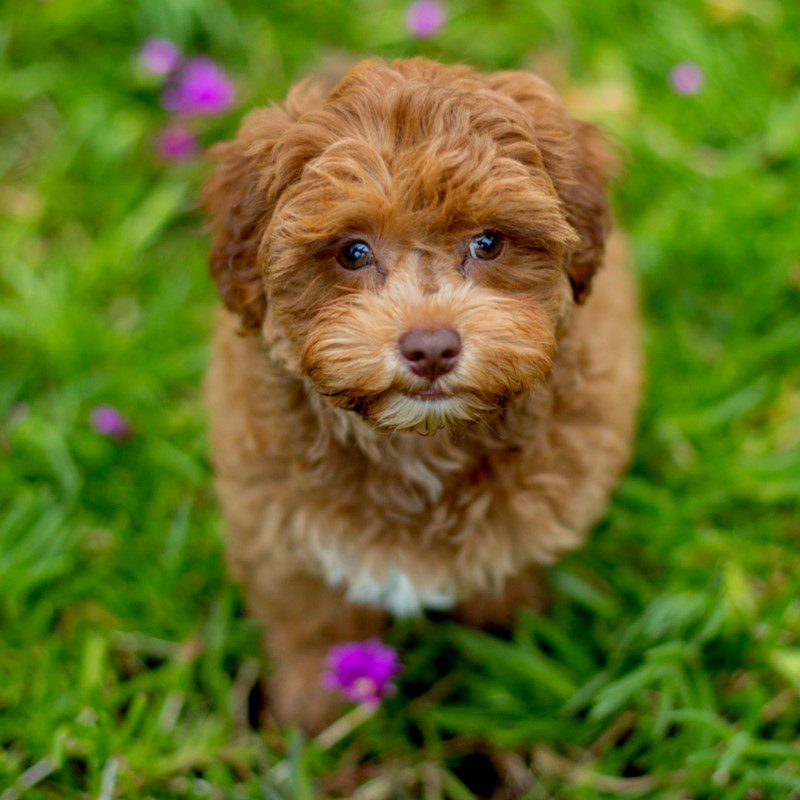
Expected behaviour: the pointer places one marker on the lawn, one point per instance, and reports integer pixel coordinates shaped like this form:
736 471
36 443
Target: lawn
669 663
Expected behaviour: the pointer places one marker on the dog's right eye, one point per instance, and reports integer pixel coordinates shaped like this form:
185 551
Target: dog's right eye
355 255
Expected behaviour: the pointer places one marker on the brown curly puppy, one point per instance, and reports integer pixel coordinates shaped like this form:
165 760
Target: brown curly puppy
411 252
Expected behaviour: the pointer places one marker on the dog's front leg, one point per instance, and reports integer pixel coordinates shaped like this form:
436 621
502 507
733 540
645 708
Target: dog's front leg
303 619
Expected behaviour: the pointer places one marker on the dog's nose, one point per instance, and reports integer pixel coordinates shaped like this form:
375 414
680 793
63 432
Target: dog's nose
430 353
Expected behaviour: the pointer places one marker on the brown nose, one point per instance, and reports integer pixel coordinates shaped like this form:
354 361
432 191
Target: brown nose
430 354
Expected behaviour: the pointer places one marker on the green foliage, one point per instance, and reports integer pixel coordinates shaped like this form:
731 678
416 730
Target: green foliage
669 664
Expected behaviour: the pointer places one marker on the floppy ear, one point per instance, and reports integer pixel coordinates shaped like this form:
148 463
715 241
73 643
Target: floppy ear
586 199
239 197
577 159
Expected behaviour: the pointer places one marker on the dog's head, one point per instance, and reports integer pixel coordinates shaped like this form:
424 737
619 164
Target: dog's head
413 240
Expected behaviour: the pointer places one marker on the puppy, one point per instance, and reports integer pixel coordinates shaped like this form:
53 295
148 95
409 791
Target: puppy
420 389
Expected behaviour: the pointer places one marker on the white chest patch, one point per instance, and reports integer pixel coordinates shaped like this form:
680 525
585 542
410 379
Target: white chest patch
393 591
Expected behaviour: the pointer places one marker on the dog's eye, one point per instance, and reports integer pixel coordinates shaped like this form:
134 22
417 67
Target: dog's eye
486 245
355 255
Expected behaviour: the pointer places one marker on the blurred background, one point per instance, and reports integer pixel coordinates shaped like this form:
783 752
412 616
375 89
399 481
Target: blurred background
669 664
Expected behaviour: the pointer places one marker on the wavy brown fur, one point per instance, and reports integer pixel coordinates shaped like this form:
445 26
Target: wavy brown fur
320 464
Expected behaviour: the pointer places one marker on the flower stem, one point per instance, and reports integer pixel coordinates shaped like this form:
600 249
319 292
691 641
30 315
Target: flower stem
345 725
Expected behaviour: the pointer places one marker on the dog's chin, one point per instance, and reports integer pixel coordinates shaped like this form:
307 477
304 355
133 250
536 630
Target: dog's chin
424 412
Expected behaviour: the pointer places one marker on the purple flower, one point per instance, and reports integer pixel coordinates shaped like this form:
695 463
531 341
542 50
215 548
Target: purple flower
201 87
424 18
687 78
176 143
107 420
362 671
159 56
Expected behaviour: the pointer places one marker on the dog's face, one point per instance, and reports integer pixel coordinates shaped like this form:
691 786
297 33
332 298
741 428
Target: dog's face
415 240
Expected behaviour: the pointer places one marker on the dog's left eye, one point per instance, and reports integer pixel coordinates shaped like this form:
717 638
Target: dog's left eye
355 255
486 245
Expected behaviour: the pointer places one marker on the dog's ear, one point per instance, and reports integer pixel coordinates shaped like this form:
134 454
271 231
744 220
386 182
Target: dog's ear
585 197
579 163
240 195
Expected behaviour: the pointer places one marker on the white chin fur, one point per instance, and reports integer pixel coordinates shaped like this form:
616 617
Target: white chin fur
404 413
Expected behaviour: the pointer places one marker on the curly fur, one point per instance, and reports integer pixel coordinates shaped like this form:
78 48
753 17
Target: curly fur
337 507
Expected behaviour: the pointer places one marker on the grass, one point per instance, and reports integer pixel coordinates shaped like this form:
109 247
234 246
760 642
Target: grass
669 665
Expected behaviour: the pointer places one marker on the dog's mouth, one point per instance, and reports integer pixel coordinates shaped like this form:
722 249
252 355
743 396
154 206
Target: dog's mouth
428 395
423 410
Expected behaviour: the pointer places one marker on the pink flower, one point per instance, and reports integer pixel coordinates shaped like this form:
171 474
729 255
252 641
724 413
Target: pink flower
424 18
201 87
176 143
687 78
159 56
362 671
105 419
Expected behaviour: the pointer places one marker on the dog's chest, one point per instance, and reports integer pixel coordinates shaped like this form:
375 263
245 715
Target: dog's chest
408 479
392 588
